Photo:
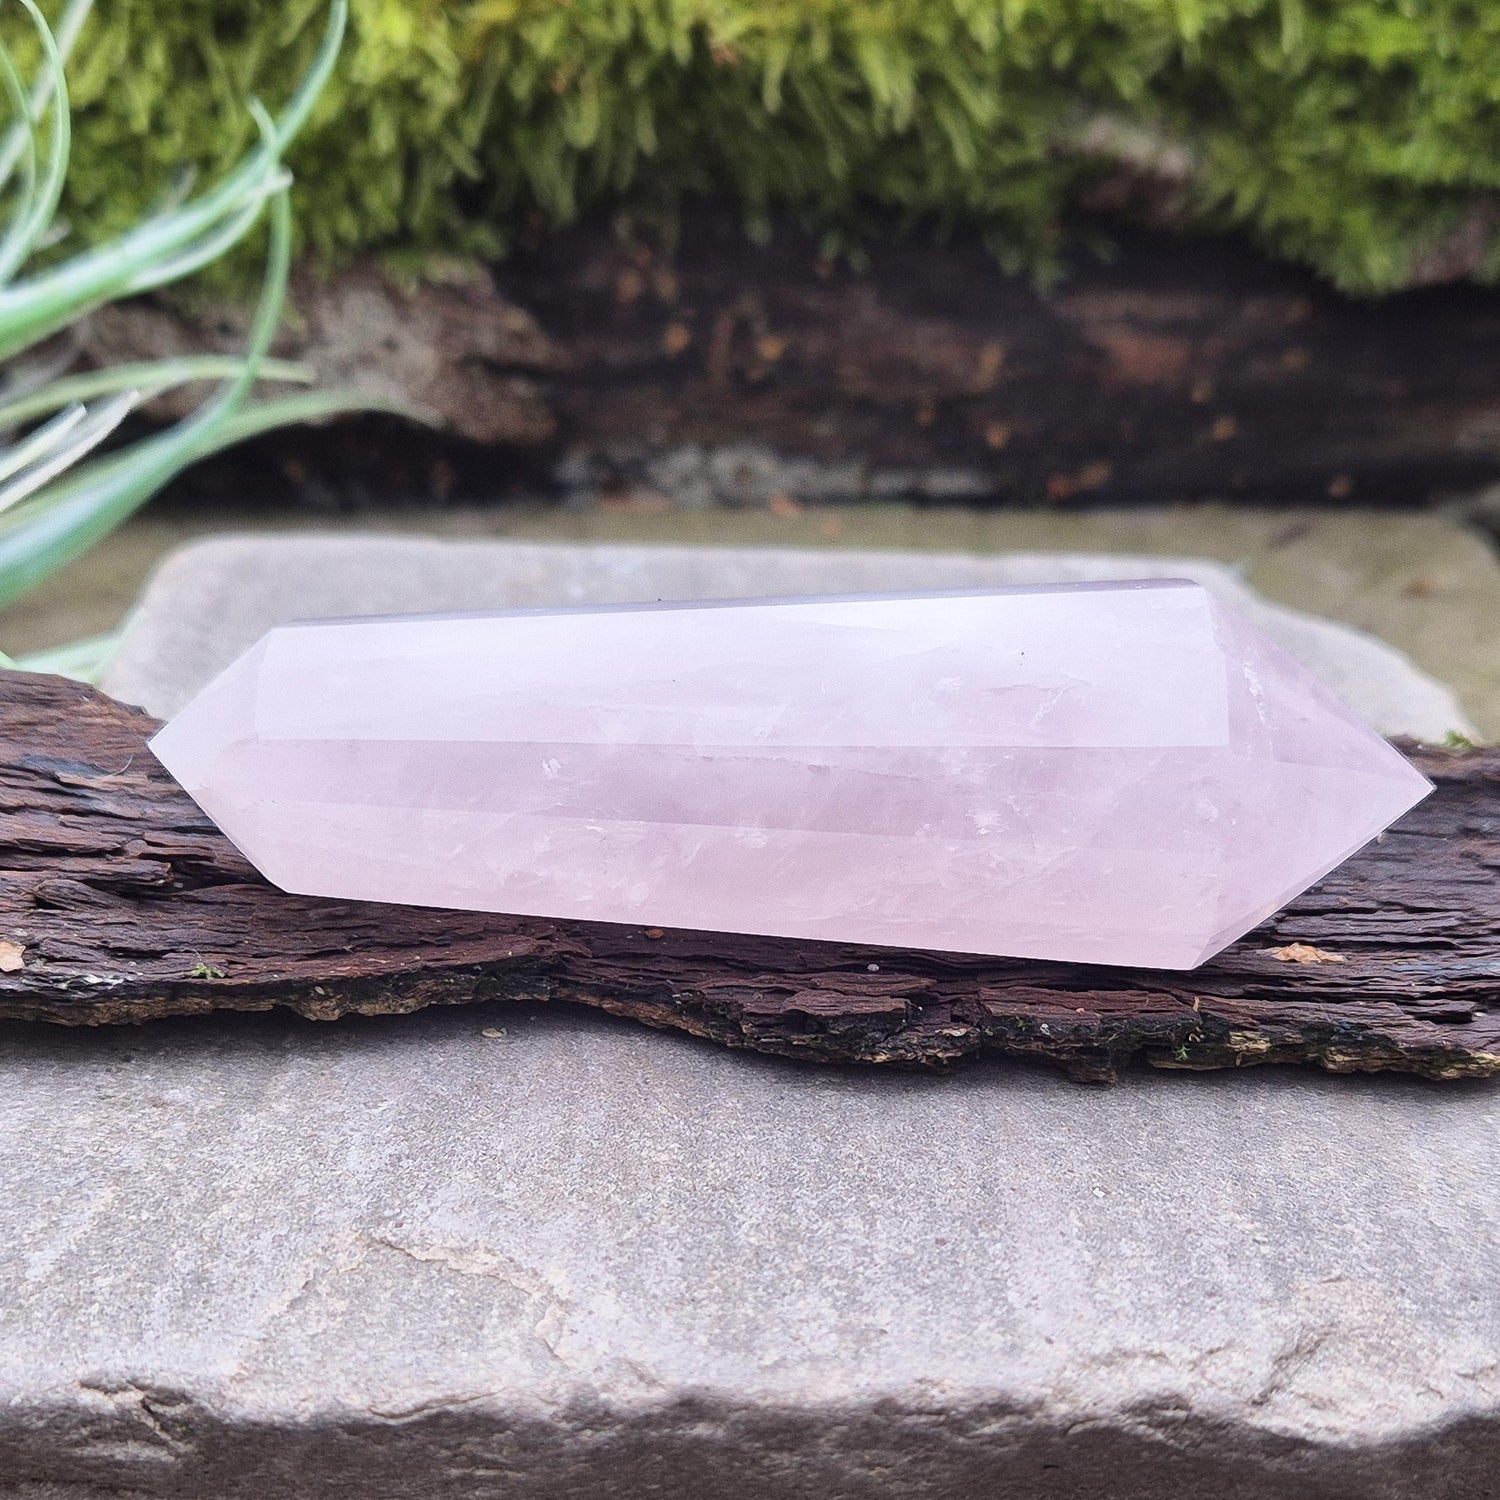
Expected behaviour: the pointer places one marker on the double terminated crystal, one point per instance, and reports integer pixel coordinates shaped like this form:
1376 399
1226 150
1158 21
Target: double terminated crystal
1123 773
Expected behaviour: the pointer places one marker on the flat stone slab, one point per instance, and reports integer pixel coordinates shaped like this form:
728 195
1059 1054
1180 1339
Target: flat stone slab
520 1253
499 1253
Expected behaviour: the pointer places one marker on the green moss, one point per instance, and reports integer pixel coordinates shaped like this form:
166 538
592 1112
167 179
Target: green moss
1349 134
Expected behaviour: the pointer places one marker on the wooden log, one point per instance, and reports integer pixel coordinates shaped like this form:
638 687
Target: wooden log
1177 369
1182 368
119 901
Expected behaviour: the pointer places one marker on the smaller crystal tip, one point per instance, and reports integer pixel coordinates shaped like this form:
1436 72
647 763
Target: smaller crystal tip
1120 773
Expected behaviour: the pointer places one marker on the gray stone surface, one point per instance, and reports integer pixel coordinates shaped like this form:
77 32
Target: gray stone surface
254 1257
524 1254
213 599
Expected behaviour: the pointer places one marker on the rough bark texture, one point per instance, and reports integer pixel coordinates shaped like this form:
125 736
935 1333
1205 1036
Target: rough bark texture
119 901
722 371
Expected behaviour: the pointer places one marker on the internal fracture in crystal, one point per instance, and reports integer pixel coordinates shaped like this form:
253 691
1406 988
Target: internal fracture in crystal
1112 773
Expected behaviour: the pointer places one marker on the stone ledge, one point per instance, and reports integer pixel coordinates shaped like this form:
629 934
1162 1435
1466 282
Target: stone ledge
410 1256
532 1254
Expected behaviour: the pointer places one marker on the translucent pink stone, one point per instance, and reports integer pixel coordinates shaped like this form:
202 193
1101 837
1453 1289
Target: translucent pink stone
1120 773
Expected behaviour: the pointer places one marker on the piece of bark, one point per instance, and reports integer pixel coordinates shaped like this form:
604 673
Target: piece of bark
119 901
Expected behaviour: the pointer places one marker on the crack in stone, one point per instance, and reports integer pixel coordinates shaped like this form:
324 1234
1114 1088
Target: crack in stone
482 1260
150 1409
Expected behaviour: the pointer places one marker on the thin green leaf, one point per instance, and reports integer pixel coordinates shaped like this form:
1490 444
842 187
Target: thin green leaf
65 34
44 440
266 416
149 376
294 116
263 328
208 247
18 246
84 438
20 104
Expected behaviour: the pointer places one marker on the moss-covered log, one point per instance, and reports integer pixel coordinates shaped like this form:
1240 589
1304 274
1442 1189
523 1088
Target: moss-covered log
1357 136
119 901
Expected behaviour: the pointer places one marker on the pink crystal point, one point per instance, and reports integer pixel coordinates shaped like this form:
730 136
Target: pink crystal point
1114 773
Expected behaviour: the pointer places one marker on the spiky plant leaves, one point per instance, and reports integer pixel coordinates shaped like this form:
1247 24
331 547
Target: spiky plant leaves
55 500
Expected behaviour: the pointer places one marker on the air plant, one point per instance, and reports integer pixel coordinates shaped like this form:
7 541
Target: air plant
59 491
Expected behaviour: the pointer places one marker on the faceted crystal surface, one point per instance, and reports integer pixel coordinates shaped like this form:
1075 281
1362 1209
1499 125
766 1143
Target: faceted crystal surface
1118 773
